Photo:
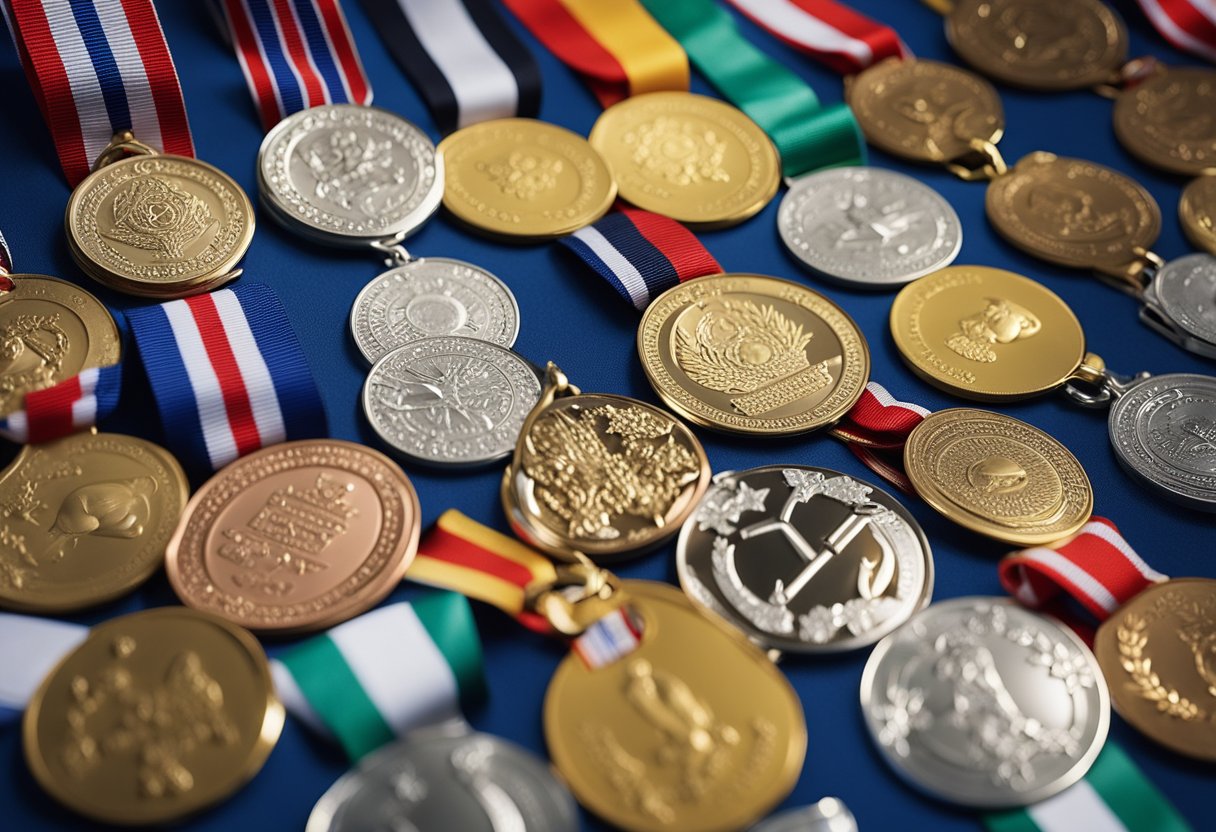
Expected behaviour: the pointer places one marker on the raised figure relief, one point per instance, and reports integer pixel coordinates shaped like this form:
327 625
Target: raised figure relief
870 223
32 350
997 474
1196 628
1041 35
999 322
153 214
355 172
452 394
119 509
1070 213
678 151
524 176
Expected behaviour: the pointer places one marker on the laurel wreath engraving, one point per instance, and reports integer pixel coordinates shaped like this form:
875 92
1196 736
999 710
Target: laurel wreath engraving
1133 639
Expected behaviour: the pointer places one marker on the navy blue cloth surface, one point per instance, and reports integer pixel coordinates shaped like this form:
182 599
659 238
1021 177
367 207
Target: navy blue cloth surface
571 316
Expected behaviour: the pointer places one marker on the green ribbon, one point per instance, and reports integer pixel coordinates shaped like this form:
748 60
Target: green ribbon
808 135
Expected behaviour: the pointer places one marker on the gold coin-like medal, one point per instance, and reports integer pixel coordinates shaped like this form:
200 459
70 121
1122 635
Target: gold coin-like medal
695 730
1073 212
85 519
998 476
522 178
925 110
688 157
605 476
50 330
156 716
752 354
1197 211
1167 122
1039 44
1156 654
159 225
296 537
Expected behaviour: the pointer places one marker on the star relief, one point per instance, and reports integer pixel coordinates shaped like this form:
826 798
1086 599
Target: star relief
725 505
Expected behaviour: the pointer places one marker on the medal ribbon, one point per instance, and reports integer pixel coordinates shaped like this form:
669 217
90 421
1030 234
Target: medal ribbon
876 429
71 405
295 54
1190 25
6 257
462 58
844 40
808 135
228 374
615 45
98 67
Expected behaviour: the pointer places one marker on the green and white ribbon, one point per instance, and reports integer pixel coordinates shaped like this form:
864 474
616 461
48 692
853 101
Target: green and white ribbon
1113 797
385 673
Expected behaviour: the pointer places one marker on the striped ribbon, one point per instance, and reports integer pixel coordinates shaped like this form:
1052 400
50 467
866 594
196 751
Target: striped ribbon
1190 25
461 55
71 405
611 638
641 254
615 45
295 54
98 67
876 429
228 374
6 260
836 35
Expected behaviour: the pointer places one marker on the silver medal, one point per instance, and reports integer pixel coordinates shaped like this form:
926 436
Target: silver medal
349 175
868 227
1180 303
804 559
437 783
450 401
1163 430
428 297
828 815
983 703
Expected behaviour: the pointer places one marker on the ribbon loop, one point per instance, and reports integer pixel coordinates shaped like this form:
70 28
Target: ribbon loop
74 404
876 429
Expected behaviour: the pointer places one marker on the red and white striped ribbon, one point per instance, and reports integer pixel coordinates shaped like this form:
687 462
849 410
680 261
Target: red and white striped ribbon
1096 566
1189 25
875 430
832 33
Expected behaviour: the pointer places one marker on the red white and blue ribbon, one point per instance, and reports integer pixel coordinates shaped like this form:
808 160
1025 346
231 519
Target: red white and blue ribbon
296 54
461 56
1190 25
71 405
832 33
610 639
98 67
641 254
228 374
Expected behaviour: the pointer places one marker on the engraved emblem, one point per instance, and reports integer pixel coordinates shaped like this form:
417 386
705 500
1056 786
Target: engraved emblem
24 506
524 176
866 224
153 214
120 509
356 172
1196 628
458 396
1074 213
32 352
1000 322
678 151
997 474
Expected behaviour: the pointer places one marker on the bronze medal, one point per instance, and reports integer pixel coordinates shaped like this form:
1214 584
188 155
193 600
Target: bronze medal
1167 121
1197 211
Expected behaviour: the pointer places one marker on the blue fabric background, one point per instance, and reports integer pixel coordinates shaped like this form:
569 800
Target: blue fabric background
569 316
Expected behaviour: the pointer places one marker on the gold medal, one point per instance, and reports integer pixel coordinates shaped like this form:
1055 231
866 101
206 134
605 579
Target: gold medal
157 715
752 354
85 519
50 330
1197 210
997 476
518 177
1156 654
1166 121
695 730
986 334
688 157
605 476
1039 44
158 225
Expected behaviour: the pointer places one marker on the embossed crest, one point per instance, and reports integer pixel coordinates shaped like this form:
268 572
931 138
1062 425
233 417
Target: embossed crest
1169 120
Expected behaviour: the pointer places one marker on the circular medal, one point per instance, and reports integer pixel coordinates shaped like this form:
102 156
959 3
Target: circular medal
694 159
606 476
868 227
296 537
803 559
345 174
450 401
828 815
50 330
694 730
1039 44
986 334
159 225
85 519
1166 121
1197 211
157 715
982 703
429 297
1163 430
1156 654
1182 299
1073 212
998 476
925 110
519 177
751 354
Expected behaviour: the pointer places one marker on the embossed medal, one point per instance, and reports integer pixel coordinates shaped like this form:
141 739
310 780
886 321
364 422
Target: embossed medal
1166 120
1197 211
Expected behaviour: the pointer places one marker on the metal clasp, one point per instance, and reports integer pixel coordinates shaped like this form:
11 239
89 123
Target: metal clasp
1134 276
1094 374
581 594
982 163
1135 71
122 145
395 254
